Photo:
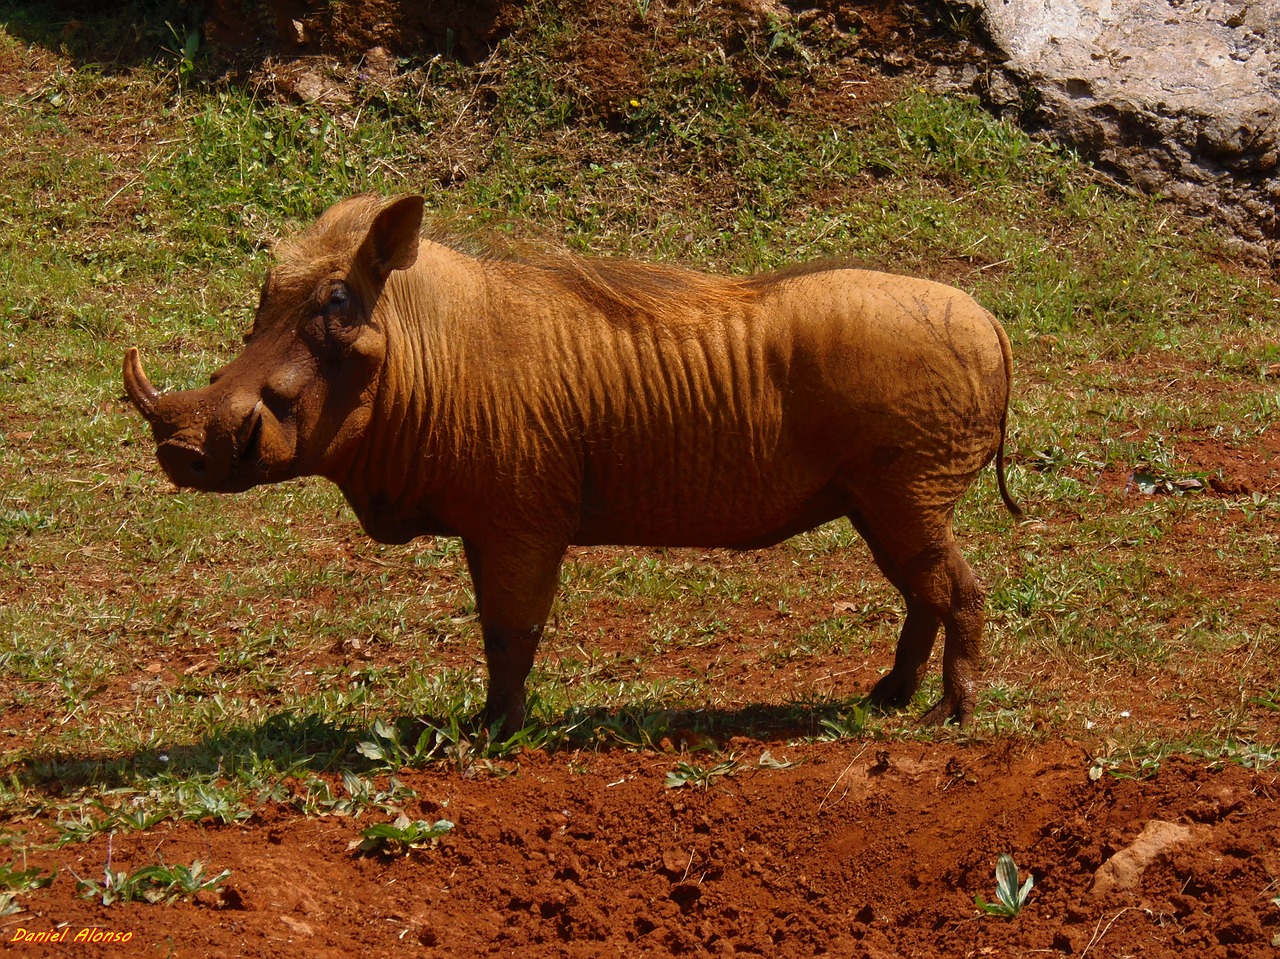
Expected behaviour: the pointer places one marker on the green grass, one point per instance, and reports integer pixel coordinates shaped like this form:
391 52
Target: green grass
164 654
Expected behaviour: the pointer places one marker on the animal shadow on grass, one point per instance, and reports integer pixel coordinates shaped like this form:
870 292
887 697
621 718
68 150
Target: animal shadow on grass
289 744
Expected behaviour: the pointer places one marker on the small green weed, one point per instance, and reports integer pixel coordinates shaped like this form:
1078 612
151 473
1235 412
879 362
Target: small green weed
396 745
202 800
15 879
139 819
1248 755
767 761
401 837
82 828
638 730
388 744
155 884
1124 767
184 53
1010 897
691 774
849 724
361 794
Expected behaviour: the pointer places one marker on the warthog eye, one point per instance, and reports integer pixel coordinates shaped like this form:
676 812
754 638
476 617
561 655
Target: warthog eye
339 318
339 299
339 310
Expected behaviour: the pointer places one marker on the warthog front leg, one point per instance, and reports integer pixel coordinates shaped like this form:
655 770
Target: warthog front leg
509 657
515 585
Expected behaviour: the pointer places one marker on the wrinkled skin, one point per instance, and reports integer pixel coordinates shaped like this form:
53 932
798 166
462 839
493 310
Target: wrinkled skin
530 406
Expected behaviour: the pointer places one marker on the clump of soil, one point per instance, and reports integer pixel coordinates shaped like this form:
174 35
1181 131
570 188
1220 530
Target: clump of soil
468 29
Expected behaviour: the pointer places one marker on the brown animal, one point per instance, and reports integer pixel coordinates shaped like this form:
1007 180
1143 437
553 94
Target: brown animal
527 406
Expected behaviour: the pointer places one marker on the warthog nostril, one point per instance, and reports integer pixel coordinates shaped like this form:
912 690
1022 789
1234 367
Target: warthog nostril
185 462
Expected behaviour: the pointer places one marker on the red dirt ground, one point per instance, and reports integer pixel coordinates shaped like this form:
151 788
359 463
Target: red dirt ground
867 849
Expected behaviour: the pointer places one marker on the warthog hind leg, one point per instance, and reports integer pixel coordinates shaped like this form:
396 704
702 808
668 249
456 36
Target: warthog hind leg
939 588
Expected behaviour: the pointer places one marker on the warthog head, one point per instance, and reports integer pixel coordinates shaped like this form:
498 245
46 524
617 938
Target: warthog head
299 396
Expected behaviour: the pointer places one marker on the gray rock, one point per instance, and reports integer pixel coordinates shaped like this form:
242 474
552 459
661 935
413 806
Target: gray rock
1182 97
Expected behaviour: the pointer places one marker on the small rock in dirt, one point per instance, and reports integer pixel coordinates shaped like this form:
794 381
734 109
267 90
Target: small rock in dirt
298 926
1123 871
226 898
676 861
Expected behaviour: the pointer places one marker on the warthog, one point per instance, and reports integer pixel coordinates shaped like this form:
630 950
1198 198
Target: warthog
529 405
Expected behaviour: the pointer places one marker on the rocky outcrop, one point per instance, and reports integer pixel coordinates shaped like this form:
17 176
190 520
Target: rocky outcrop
1181 97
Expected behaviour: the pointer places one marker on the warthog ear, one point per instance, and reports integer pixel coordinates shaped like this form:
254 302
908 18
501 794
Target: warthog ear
392 243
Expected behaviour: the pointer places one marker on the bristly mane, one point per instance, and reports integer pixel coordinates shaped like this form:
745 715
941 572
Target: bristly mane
661 291
630 288
625 287
620 287
328 242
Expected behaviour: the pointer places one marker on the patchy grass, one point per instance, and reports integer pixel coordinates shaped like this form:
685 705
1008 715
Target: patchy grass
168 655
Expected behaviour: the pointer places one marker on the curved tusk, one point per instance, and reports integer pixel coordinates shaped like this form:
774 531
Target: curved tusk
136 384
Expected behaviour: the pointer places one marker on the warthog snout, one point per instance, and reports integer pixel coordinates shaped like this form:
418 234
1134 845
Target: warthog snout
209 439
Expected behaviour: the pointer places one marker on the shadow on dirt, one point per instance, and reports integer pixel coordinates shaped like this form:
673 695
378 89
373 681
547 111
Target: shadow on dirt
113 37
208 37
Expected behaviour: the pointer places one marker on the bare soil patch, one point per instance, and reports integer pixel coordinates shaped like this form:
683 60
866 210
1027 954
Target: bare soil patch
853 850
